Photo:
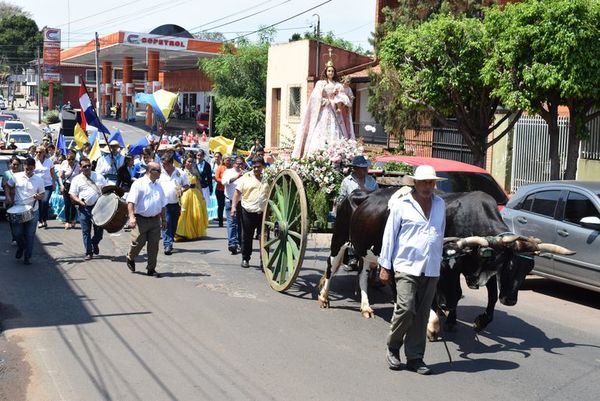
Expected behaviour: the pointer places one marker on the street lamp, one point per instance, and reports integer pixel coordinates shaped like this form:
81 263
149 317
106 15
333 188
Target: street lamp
318 36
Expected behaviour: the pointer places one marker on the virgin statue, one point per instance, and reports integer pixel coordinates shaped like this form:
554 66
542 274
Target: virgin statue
323 121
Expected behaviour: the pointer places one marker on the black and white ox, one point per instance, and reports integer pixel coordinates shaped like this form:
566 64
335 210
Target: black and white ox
477 245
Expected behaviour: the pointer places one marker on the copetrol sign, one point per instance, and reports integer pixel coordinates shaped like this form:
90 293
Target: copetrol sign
52 35
51 54
155 41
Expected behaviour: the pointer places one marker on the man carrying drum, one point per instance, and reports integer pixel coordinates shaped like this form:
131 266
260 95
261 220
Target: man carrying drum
25 190
86 189
146 203
108 164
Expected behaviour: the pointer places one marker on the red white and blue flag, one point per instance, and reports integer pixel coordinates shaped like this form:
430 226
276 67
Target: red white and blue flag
88 110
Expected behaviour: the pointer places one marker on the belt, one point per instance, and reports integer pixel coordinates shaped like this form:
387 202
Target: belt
139 216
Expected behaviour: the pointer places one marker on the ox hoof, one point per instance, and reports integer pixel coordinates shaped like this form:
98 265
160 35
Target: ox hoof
481 322
323 302
367 313
433 336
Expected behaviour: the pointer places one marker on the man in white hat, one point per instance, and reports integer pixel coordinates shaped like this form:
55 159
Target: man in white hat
110 161
411 253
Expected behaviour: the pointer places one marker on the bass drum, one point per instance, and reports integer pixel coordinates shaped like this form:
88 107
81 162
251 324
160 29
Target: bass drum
110 213
19 214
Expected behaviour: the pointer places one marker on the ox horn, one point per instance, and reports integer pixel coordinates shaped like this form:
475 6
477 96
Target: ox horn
553 248
472 241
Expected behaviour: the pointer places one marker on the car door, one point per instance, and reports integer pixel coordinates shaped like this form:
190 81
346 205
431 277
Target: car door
536 219
584 266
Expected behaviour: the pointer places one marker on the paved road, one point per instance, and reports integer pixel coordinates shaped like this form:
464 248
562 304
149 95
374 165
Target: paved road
210 330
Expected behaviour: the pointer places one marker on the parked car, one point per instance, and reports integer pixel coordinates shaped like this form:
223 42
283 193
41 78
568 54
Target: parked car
3 119
22 139
460 177
202 122
2 104
566 213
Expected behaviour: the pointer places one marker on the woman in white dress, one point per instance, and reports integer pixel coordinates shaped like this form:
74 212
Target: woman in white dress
323 122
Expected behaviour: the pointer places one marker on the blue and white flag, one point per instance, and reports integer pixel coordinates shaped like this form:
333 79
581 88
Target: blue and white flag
138 147
116 136
61 144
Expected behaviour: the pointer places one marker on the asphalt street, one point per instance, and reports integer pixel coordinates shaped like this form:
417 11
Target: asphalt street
210 330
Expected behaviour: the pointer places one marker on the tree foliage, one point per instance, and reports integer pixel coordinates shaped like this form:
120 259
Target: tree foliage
435 67
330 39
9 10
19 39
546 54
239 77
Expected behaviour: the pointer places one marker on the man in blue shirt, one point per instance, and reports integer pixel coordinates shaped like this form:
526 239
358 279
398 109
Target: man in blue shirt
412 247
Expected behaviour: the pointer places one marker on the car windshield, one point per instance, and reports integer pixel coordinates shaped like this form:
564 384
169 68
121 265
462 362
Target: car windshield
21 138
4 118
12 125
467 182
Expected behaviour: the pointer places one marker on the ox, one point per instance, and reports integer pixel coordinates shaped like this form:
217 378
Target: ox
482 254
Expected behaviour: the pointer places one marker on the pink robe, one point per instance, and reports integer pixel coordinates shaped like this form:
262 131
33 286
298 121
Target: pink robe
322 123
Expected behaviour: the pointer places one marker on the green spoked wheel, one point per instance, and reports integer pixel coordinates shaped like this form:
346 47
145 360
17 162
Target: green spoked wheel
284 230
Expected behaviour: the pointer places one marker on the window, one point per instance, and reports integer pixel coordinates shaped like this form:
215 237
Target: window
90 76
545 203
294 103
579 206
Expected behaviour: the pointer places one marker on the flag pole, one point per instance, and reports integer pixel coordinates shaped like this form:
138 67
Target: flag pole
98 94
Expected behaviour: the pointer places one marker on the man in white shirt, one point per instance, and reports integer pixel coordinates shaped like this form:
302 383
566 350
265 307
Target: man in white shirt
86 189
26 189
412 247
173 182
229 180
109 163
146 203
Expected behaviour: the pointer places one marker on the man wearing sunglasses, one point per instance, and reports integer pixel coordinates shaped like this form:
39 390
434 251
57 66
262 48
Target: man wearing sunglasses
85 190
146 203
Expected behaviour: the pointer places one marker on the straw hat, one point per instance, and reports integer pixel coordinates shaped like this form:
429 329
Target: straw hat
425 172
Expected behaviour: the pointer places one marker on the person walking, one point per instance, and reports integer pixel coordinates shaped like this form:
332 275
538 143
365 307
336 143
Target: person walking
174 183
44 168
221 166
234 228
67 172
252 190
25 189
14 166
108 164
412 249
86 189
146 203
206 184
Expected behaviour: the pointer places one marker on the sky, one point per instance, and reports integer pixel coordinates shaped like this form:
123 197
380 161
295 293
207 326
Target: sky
352 20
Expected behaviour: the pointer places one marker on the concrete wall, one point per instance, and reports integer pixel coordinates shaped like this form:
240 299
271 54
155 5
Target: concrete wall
288 66
588 170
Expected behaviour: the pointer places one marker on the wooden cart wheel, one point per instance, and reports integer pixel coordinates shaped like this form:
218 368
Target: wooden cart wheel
284 230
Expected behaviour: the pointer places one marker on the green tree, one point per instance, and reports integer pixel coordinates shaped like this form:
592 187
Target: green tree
435 67
546 54
19 39
239 76
330 39
385 102
9 10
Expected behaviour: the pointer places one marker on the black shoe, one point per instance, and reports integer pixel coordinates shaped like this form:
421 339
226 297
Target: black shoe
96 249
169 251
233 250
130 264
221 224
19 253
245 264
27 261
418 366
393 359
352 265
153 273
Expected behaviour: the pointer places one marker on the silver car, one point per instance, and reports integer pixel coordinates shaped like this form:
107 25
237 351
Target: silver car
565 213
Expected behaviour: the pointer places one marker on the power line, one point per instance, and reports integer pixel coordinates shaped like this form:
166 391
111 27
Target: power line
100 13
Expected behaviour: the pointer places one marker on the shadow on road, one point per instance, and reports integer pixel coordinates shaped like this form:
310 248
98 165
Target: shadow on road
37 295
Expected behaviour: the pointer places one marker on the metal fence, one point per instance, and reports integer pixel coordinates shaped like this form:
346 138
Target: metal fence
590 148
531 150
449 144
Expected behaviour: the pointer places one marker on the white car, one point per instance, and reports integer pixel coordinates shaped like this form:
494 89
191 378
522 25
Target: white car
10 126
22 139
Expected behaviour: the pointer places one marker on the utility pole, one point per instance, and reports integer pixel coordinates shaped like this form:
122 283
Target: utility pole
98 94
39 96
318 36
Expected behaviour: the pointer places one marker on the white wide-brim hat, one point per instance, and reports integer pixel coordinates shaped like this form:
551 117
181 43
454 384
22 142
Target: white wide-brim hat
425 172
